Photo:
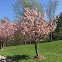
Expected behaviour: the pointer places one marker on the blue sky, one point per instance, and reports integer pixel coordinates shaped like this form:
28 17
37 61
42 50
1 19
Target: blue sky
6 9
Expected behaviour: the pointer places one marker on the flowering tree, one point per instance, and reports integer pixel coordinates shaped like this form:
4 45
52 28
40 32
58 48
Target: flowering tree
7 30
36 26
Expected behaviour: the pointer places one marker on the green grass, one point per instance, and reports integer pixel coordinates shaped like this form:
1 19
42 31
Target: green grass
23 53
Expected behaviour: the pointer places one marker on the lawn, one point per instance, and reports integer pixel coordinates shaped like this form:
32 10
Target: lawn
23 53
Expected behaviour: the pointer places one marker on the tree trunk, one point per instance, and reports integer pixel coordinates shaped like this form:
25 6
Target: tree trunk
36 49
24 40
39 40
6 43
30 42
51 37
0 45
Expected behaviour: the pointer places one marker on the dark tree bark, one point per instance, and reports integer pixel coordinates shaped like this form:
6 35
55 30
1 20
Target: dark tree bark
30 42
35 39
36 49
0 45
24 40
39 40
51 37
6 43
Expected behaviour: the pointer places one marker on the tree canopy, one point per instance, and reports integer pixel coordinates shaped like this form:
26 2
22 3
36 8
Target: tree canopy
19 6
58 31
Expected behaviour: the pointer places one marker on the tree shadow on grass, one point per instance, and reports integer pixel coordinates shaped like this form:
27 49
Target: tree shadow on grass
18 57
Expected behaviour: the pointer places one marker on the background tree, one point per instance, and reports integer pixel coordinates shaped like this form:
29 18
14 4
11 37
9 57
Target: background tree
7 31
2 21
51 10
19 6
58 31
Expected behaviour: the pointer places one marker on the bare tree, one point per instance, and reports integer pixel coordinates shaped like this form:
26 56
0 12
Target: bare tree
51 10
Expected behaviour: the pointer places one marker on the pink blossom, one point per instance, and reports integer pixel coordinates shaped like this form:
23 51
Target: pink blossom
36 26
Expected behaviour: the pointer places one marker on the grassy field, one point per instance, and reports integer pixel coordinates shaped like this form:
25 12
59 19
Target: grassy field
23 53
